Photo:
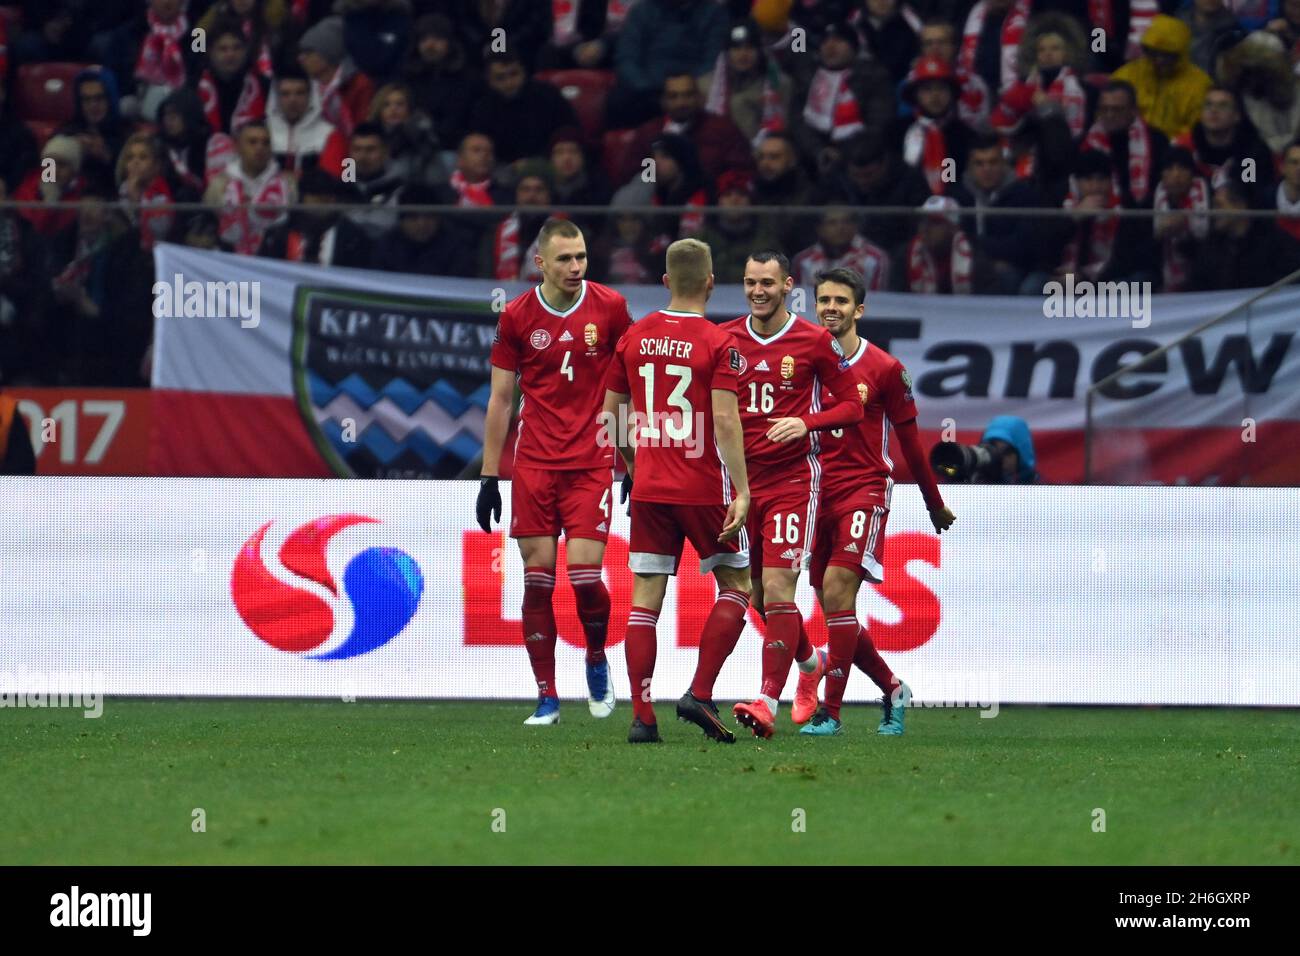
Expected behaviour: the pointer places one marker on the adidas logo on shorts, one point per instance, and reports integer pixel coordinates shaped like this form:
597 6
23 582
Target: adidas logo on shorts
852 547
762 366
792 554
567 336
602 527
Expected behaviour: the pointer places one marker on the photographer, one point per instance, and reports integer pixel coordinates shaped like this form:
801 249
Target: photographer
1004 455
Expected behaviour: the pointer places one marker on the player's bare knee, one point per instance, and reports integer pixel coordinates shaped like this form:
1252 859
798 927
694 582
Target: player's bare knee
839 589
584 551
538 552
779 584
733 579
648 591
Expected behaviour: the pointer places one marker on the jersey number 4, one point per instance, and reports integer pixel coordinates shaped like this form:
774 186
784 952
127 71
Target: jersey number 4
676 430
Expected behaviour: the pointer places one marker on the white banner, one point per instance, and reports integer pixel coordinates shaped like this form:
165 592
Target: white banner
388 589
971 357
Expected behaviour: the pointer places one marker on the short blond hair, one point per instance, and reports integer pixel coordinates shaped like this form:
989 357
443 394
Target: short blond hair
689 263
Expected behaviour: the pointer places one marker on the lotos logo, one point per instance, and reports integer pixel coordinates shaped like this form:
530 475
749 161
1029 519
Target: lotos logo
383 585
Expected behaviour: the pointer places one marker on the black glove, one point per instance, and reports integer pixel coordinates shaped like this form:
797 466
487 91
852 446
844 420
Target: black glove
488 506
625 493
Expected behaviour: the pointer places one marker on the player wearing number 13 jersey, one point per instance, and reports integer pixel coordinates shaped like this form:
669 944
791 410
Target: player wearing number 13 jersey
858 483
789 365
684 447
557 341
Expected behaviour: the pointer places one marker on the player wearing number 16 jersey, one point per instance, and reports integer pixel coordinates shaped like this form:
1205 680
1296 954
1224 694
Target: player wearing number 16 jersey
858 483
684 447
557 341
788 365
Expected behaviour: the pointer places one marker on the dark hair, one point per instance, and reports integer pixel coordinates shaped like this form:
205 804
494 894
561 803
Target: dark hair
1179 156
508 55
256 123
223 26
419 194
1093 162
868 149
290 70
771 255
842 275
555 226
1121 86
316 182
1236 189
368 128
983 141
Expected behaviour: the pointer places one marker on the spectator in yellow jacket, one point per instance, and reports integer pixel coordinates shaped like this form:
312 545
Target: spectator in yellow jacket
1170 88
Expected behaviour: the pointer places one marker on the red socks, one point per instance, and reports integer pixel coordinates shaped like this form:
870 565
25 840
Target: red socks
539 627
640 648
718 639
593 607
873 665
843 628
783 624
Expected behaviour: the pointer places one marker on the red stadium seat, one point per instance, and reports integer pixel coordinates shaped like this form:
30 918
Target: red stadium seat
44 91
615 145
586 91
41 131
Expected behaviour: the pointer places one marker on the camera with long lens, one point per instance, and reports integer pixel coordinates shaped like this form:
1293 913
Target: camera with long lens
969 463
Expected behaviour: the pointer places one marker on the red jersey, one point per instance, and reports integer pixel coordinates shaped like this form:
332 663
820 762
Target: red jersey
782 376
560 359
670 363
856 459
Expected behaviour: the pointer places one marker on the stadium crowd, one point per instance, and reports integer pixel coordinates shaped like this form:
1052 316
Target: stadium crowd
953 107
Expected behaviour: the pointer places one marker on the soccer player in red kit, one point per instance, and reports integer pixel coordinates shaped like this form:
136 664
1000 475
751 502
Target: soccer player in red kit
787 365
685 452
856 479
557 341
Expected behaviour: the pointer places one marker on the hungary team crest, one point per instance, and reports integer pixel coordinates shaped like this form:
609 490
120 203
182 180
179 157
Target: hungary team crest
389 386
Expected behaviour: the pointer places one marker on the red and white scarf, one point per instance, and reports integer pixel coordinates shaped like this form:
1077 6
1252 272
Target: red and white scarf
924 147
181 169
1176 261
973 103
626 267
250 106
1098 232
242 226
1018 100
564 14
719 100
507 262
923 273
866 258
471 194
161 61
152 212
1140 15
1290 225
832 109
332 106
1139 155
1013 29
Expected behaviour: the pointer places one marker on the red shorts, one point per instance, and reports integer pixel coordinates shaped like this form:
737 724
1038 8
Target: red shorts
853 536
783 524
544 502
658 530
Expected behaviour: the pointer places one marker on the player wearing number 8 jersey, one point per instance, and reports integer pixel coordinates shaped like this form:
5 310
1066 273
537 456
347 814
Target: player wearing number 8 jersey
858 483
683 444
556 340
788 368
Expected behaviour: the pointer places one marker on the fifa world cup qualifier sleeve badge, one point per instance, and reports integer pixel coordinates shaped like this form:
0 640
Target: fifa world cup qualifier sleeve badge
907 386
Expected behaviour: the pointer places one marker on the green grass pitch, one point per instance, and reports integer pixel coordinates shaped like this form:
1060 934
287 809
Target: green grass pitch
425 783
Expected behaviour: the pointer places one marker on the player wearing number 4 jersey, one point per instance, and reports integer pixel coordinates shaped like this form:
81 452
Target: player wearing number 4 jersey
557 341
858 483
792 384
684 447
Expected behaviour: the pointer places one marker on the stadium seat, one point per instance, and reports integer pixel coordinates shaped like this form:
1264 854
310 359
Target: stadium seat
44 91
614 150
41 131
586 91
